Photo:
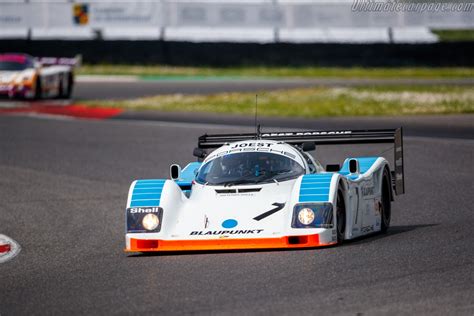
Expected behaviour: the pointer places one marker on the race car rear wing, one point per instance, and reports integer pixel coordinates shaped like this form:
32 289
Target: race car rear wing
63 61
339 137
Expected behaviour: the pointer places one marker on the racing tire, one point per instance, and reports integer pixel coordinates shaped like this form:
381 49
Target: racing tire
38 90
60 89
340 216
67 92
385 204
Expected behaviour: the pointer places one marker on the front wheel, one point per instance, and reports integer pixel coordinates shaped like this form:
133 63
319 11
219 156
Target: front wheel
340 216
38 89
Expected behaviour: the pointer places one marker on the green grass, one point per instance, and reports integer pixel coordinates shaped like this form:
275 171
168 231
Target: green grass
166 72
316 102
454 35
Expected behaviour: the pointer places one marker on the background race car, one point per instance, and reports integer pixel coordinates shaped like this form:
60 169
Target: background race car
23 76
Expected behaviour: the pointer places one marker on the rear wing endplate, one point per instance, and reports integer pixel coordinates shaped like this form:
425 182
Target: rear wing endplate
340 137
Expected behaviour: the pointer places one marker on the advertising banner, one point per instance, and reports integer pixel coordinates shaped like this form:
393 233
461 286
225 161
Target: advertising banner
120 17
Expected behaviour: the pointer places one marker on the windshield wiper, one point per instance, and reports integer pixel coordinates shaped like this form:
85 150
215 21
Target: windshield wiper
258 179
271 175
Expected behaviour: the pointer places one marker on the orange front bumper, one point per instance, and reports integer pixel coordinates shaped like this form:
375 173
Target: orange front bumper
149 245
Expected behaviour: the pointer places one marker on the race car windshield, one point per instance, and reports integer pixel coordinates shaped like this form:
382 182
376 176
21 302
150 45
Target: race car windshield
12 66
248 168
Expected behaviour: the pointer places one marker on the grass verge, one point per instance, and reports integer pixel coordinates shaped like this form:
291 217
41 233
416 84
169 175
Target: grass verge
315 102
454 35
165 72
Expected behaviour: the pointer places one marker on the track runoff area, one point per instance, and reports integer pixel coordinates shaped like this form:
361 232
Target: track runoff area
64 187
126 87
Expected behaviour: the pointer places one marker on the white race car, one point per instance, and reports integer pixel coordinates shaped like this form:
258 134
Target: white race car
265 191
23 76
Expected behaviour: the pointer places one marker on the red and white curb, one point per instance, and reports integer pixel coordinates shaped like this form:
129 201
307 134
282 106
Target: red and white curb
59 109
8 248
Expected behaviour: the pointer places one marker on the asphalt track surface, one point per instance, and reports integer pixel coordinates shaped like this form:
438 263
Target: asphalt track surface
126 89
63 189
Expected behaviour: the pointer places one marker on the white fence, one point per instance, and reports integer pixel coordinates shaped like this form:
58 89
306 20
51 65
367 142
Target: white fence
245 20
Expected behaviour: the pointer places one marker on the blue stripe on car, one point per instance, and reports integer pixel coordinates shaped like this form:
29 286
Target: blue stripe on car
188 174
315 187
147 193
364 165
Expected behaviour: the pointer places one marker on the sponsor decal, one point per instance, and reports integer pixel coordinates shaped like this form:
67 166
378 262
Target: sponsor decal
367 229
81 14
307 133
242 145
226 232
368 191
138 210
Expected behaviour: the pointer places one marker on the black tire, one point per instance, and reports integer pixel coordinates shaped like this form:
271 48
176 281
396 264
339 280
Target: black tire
38 90
70 85
61 91
340 216
65 91
385 203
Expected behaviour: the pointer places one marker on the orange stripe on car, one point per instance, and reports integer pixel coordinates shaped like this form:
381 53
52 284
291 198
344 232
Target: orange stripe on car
149 245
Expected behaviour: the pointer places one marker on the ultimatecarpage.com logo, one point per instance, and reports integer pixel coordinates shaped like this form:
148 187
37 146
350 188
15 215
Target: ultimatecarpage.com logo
402 6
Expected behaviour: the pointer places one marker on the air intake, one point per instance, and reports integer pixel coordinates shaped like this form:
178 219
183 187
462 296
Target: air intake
249 190
226 191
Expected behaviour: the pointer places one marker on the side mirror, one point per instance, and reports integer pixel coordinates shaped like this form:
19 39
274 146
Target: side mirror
308 146
353 166
175 172
199 152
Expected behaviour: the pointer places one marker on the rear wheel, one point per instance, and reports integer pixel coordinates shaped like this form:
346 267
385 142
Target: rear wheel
385 204
340 216
70 85
65 89
61 89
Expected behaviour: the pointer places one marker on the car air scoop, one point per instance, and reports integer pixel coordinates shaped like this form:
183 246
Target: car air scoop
235 191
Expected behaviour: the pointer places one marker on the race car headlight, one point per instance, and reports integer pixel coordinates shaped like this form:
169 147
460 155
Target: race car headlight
312 215
306 216
150 221
146 219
